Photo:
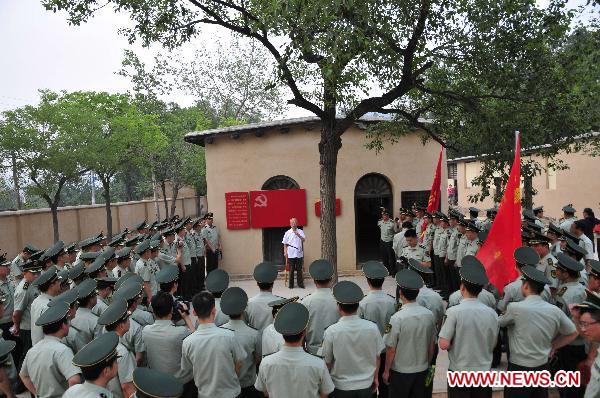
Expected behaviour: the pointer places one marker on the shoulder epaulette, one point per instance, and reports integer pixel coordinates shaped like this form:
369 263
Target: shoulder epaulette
370 321
562 291
422 247
74 328
271 353
25 285
391 296
223 327
305 296
550 262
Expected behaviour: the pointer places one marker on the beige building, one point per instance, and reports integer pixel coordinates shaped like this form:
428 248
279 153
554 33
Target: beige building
578 185
284 154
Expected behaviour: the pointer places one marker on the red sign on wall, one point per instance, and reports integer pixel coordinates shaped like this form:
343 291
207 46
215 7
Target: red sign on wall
236 210
275 208
338 208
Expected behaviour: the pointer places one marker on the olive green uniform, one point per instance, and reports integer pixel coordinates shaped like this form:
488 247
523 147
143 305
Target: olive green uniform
87 390
485 297
249 340
323 311
271 341
163 343
126 364
258 312
86 324
39 305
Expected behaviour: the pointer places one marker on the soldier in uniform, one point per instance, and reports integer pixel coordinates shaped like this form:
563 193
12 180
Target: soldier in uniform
216 283
85 321
467 322
212 356
568 218
472 244
570 292
212 243
47 370
321 304
387 229
233 303
272 340
555 234
98 364
451 252
513 291
410 338
98 268
197 226
577 229
535 328
48 285
146 269
192 275
71 255
7 293
116 319
414 250
24 296
187 279
150 383
131 292
399 242
16 266
258 311
473 216
123 257
428 297
292 372
594 276
547 263
441 252
8 371
377 306
73 339
351 347
587 318
105 289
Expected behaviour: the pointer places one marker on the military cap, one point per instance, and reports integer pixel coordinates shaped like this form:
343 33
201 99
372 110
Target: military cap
234 301
291 319
321 270
282 301
105 282
533 227
594 268
3 260
72 248
591 302
123 253
410 213
569 209
69 297
417 266
525 236
265 272
532 274
526 256
403 211
142 247
472 271
463 222
30 248
141 225
87 288
133 240
196 221
116 240
539 239
34 263
555 230
99 352
53 314
482 235
124 278
473 210
116 312
454 214
6 347
471 226
90 242
217 280
409 279
569 235
169 231
97 266
435 214
55 249
179 226
528 215
168 274
575 249
347 292
156 236
568 263
129 290
76 271
63 275
155 384
443 217
538 209
176 218
155 244
89 256
209 215
375 270
108 254
47 277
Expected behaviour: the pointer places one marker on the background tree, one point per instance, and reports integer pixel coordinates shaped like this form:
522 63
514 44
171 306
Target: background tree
467 63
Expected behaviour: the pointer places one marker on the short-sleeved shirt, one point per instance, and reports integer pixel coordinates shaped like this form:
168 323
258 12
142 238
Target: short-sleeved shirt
133 339
163 343
431 300
532 325
323 312
190 242
148 270
412 332
419 253
220 317
513 294
38 306
249 340
352 346
211 234
86 324
16 266
547 266
293 369
593 388
437 233
210 355
472 247
399 242
186 251
565 224
49 365
453 244
461 249
378 307
101 305
587 244
272 340
484 296
258 312
570 293
164 259
470 321
198 243
294 243
24 296
73 340
7 289
388 229
442 244
87 390
119 272
126 364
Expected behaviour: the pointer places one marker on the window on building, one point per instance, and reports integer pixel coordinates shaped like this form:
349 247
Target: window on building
409 198
452 171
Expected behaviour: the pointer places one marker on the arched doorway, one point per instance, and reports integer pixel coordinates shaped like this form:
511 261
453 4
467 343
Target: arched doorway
372 192
272 248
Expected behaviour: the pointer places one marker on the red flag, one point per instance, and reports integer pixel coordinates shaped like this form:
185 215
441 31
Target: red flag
435 194
504 237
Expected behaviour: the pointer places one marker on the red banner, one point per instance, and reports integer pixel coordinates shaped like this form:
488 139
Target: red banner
434 195
237 211
275 208
338 208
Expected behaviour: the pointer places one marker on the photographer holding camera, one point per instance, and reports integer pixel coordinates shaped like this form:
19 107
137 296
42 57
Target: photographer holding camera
212 242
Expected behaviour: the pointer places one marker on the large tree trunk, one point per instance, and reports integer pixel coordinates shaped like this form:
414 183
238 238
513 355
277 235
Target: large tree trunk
174 195
54 211
106 194
329 147
163 187
528 191
15 176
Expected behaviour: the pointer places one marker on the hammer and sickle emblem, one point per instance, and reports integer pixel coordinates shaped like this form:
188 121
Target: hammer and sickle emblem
260 201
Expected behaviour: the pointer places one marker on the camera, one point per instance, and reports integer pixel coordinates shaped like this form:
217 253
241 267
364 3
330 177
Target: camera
179 304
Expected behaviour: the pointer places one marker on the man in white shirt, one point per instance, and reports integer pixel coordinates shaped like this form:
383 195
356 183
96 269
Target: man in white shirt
577 229
293 242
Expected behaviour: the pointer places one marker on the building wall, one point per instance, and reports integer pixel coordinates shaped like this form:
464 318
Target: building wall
246 163
578 185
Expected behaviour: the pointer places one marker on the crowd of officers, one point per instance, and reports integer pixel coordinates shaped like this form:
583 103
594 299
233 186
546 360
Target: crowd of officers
114 319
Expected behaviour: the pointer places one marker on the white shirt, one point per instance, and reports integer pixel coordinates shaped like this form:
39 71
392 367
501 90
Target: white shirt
294 243
587 244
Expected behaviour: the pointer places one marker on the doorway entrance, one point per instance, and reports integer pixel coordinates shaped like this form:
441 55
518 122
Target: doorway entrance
272 237
372 192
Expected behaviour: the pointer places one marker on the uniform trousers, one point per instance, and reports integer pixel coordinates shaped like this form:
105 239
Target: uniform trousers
190 390
429 388
17 352
446 270
25 336
200 272
469 392
388 257
407 384
383 388
453 283
187 282
435 265
251 392
295 265
212 260
526 392
455 276
364 393
568 358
